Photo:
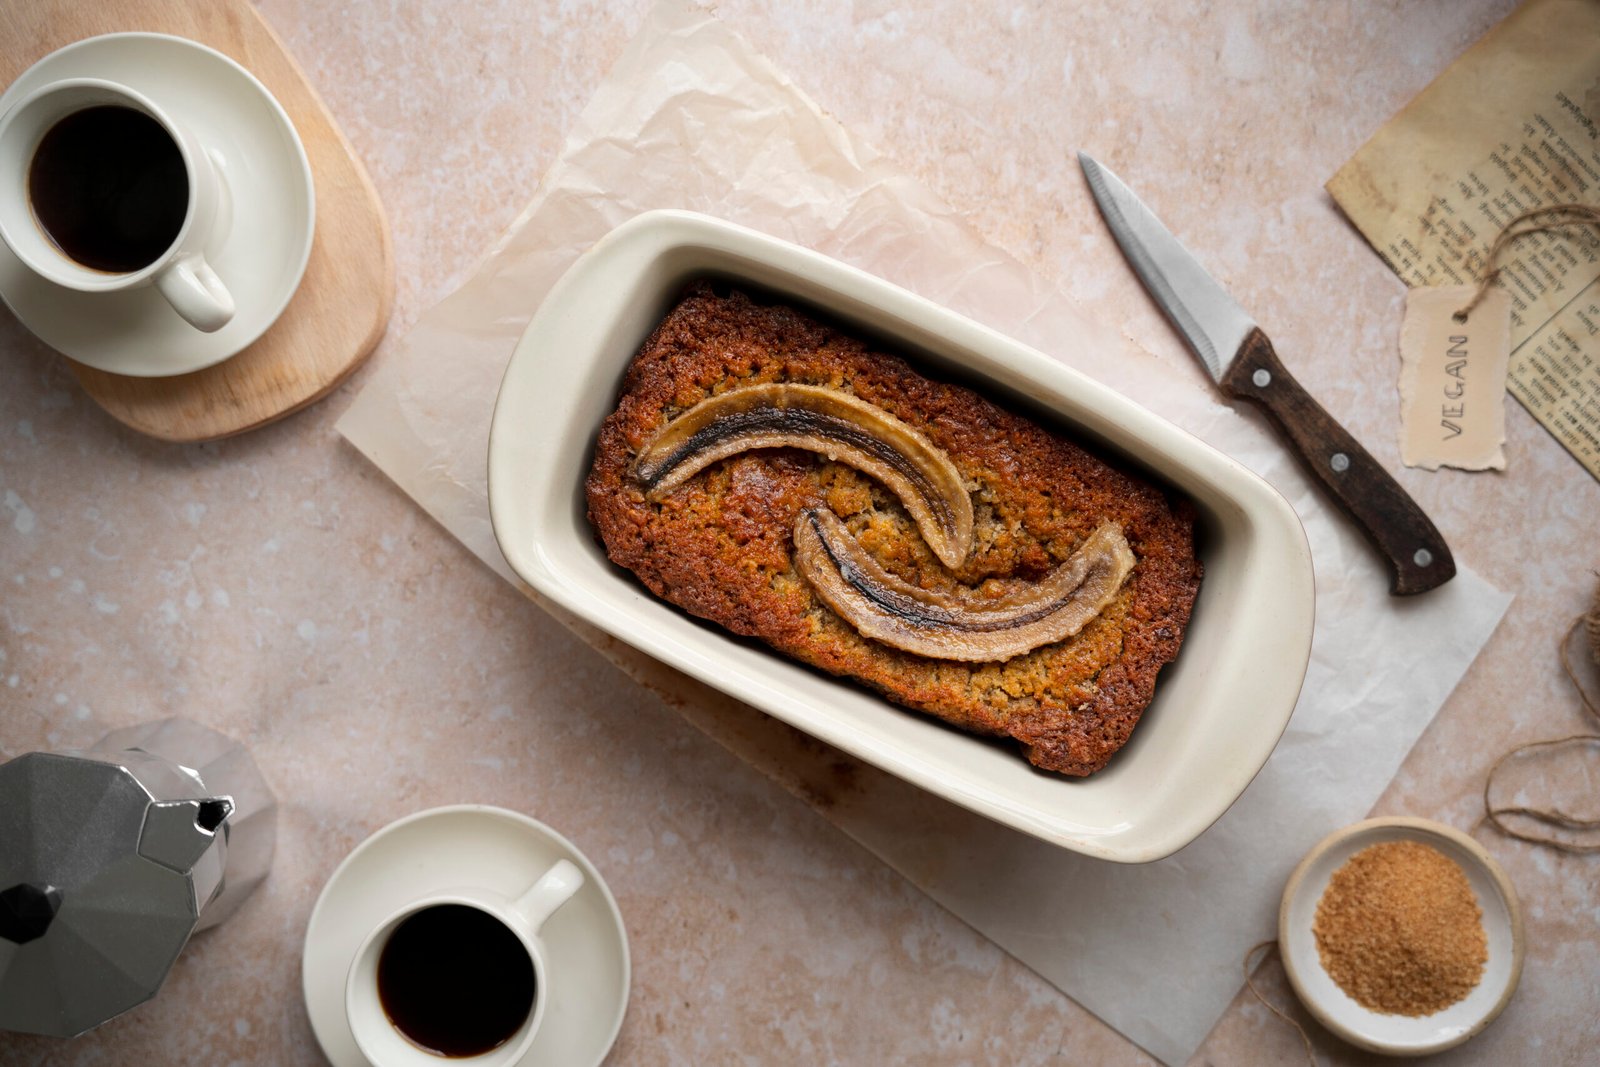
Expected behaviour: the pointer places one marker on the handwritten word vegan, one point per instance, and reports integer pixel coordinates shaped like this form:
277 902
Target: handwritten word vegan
1456 367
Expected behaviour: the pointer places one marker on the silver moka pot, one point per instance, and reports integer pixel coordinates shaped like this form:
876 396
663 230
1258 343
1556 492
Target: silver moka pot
110 858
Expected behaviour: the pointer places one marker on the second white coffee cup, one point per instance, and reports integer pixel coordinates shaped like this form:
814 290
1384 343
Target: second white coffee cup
380 1038
181 273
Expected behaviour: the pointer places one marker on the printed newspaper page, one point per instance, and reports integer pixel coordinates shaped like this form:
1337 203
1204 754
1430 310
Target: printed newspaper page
1513 124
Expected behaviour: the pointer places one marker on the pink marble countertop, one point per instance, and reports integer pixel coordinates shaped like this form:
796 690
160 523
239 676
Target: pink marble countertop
279 588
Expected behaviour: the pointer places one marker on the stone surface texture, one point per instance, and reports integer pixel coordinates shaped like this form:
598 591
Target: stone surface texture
276 587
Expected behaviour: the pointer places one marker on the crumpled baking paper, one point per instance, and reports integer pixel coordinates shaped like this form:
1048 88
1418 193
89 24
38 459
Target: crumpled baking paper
692 118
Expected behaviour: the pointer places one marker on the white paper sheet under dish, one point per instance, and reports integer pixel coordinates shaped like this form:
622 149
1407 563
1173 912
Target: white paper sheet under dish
692 118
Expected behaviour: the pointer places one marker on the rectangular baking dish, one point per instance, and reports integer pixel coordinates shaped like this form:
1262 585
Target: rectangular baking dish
1219 708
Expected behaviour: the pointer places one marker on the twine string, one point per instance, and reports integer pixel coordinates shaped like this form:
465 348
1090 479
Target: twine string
1249 980
1538 220
1551 817
1589 622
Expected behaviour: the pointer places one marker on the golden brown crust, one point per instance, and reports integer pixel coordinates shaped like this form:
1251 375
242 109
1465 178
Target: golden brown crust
720 546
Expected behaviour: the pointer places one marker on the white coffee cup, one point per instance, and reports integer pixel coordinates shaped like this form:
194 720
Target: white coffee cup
383 1044
181 273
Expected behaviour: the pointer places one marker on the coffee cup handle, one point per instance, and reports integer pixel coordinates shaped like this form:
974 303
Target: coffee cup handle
195 292
552 890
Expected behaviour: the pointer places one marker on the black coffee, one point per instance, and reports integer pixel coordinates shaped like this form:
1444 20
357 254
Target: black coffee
455 981
108 186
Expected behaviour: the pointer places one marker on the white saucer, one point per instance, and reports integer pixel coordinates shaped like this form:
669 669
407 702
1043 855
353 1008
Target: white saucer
587 946
261 160
1401 1035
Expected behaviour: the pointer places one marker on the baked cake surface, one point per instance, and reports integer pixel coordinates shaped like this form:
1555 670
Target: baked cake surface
721 545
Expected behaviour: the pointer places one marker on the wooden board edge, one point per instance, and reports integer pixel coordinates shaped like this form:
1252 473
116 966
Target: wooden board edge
380 320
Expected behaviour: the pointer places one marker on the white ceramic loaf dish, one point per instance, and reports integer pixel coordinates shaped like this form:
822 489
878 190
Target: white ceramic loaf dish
1218 710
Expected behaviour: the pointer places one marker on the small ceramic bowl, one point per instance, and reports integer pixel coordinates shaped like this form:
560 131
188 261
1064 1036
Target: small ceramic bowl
1401 1035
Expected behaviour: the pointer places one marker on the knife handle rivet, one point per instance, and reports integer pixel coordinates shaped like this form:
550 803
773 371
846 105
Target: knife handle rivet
1422 558
1262 378
1339 462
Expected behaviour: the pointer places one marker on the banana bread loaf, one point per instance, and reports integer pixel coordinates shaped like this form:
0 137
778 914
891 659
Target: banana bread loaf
773 474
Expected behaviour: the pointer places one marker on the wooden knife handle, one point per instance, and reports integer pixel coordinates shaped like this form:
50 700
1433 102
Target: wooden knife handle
1418 557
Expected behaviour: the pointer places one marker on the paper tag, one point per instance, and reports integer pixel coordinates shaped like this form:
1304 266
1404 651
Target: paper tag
1453 379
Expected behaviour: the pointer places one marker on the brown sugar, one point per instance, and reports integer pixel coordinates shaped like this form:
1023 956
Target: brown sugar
1399 930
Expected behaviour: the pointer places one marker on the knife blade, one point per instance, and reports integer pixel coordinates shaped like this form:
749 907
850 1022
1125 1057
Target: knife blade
1240 359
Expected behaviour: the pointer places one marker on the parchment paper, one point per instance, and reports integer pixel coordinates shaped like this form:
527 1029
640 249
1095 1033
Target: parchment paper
692 118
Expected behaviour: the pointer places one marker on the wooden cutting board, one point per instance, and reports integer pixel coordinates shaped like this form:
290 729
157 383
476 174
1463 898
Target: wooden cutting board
341 308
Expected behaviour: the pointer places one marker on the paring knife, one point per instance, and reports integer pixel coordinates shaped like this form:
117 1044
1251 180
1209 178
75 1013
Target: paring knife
1243 364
